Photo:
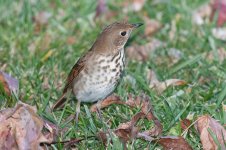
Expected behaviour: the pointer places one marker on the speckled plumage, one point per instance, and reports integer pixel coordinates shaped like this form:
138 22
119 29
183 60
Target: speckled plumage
96 74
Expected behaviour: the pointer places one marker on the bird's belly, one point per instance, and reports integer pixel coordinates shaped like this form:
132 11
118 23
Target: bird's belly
95 90
100 81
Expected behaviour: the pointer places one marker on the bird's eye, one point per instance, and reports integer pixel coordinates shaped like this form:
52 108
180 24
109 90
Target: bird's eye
123 33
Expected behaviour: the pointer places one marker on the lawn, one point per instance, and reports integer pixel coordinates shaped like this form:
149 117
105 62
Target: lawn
40 51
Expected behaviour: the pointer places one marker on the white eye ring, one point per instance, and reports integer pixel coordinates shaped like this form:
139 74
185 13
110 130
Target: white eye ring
123 33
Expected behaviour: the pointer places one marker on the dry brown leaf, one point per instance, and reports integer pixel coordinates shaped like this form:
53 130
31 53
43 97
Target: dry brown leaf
202 13
42 43
203 124
142 52
148 111
42 17
45 83
102 136
209 10
10 85
221 54
101 8
185 123
113 99
134 5
103 13
161 86
127 131
22 128
71 40
219 33
151 26
45 42
41 20
174 55
174 143
219 8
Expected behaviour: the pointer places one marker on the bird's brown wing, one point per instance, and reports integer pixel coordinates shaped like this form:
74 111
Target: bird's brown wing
77 68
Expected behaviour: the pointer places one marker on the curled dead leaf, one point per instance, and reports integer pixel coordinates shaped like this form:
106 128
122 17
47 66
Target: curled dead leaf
135 5
155 84
185 123
22 127
206 123
127 131
71 40
142 52
102 12
219 33
101 8
151 26
45 83
41 20
221 55
174 142
102 136
202 13
174 55
219 8
113 99
10 85
42 17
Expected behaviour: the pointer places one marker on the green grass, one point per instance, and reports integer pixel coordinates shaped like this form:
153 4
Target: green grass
27 65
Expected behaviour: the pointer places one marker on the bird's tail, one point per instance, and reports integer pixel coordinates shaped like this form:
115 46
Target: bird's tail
61 101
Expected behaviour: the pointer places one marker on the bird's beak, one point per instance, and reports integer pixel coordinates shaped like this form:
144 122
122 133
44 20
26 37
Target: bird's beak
136 25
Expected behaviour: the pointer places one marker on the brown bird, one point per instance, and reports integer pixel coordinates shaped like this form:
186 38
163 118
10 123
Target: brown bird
96 75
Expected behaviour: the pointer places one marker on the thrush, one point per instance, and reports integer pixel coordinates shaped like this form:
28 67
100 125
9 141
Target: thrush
96 75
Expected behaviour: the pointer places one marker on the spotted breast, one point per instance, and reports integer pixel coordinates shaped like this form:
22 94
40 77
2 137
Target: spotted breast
99 81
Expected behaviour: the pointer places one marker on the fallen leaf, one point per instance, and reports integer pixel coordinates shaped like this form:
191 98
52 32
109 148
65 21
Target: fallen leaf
219 33
127 131
42 17
45 42
113 99
41 20
173 30
102 136
151 26
142 52
219 8
174 55
205 123
45 83
103 13
135 5
10 84
71 40
174 143
202 13
147 109
221 55
155 84
101 8
185 123
22 128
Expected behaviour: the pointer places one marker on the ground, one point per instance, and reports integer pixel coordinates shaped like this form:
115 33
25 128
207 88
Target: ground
40 51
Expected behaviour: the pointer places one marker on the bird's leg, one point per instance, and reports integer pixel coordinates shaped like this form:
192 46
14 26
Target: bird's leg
99 109
77 112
